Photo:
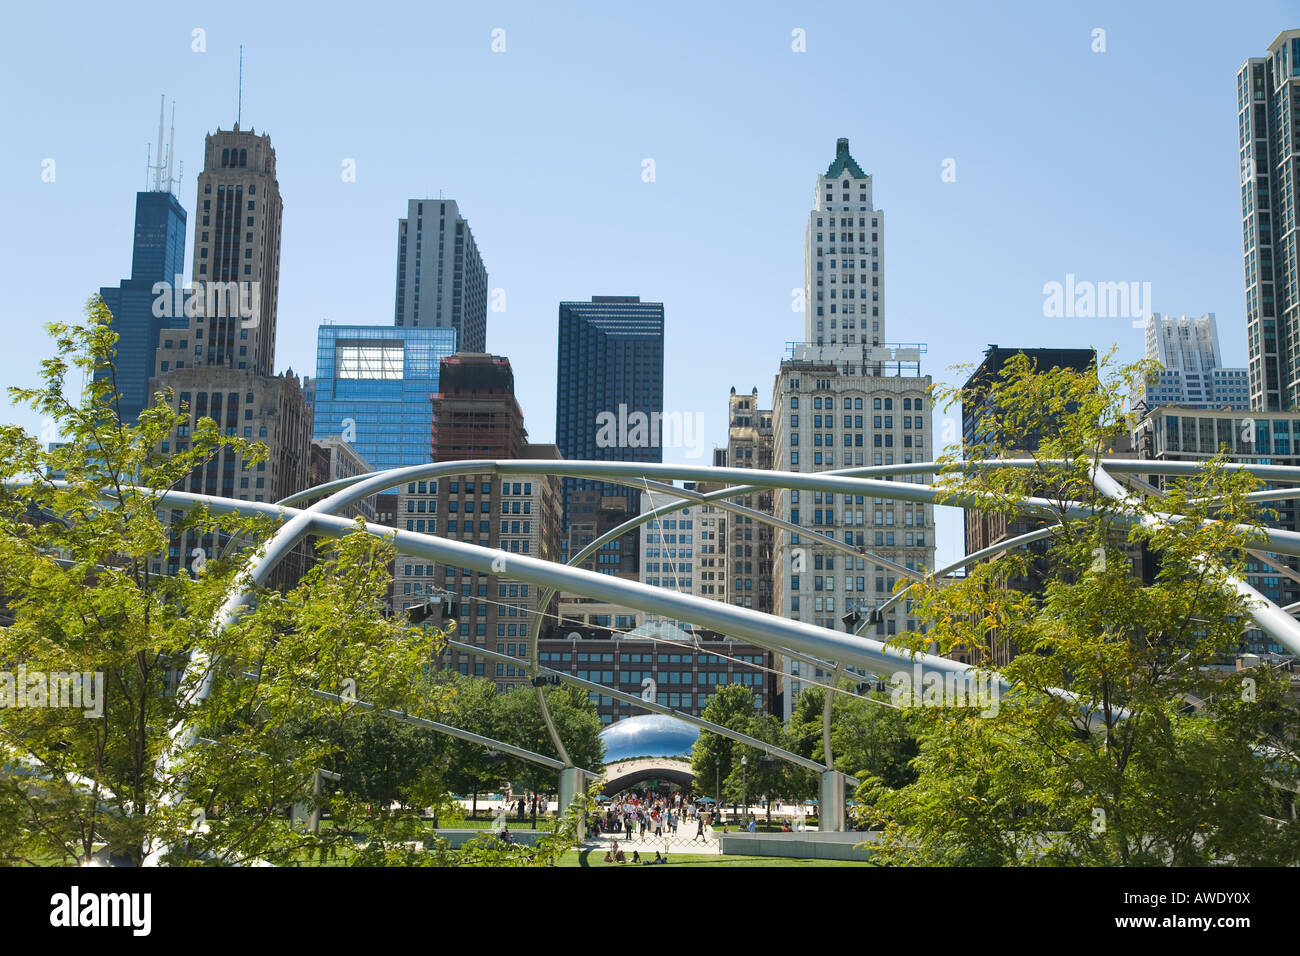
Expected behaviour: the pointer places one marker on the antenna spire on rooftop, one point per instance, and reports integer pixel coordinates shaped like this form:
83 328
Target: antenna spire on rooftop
239 105
158 165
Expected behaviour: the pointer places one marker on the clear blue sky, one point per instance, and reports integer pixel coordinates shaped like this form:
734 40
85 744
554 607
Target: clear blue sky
1114 166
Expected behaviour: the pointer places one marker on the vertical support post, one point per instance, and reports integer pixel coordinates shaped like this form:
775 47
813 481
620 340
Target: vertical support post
830 811
313 819
572 783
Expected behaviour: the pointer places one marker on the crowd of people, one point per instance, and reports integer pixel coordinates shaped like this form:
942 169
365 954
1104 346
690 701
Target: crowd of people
650 814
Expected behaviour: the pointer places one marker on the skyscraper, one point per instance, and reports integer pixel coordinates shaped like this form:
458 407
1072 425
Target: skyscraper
844 305
846 398
219 361
372 389
609 399
1193 374
236 274
1268 100
441 279
157 256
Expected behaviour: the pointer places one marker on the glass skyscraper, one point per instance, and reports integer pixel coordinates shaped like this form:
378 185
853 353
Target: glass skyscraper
158 255
1268 103
373 389
609 373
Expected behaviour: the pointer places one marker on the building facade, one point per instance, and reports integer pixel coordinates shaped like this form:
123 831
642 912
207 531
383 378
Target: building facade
674 668
591 514
373 387
609 389
1190 434
441 279
748 554
844 254
845 398
1268 103
1193 374
219 361
475 415
333 459
157 256
827 418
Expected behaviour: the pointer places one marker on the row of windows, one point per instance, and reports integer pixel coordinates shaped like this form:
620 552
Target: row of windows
909 404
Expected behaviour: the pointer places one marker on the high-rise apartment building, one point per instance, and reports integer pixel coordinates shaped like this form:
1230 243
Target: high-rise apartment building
1193 374
846 398
1268 131
609 389
373 386
475 415
441 279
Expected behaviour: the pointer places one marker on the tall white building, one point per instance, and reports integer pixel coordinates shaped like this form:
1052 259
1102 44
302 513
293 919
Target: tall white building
843 258
1193 375
441 279
845 398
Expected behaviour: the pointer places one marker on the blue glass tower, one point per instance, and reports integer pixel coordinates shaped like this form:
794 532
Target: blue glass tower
158 256
609 372
373 388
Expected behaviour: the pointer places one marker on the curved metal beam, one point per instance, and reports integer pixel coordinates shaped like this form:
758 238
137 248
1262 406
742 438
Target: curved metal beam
654 707
1017 542
1271 619
520 752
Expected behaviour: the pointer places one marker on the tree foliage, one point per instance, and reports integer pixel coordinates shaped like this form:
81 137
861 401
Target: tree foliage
76 576
1125 736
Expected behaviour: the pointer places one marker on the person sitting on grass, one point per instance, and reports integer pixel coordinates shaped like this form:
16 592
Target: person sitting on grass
636 857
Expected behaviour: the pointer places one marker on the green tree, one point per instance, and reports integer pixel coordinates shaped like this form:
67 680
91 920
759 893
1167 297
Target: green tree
473 704
1123 740
576 721
714 757
754 773
870 737
76 575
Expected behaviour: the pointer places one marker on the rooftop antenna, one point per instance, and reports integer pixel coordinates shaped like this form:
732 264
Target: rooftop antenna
239 106
171 148
158 166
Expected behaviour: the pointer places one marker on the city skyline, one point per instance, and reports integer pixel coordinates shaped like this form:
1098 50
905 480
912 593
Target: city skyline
539 259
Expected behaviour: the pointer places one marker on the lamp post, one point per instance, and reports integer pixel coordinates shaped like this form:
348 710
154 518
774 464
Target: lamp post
717 782
744 790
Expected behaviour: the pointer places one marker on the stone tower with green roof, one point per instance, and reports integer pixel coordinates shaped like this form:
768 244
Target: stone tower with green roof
844 295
